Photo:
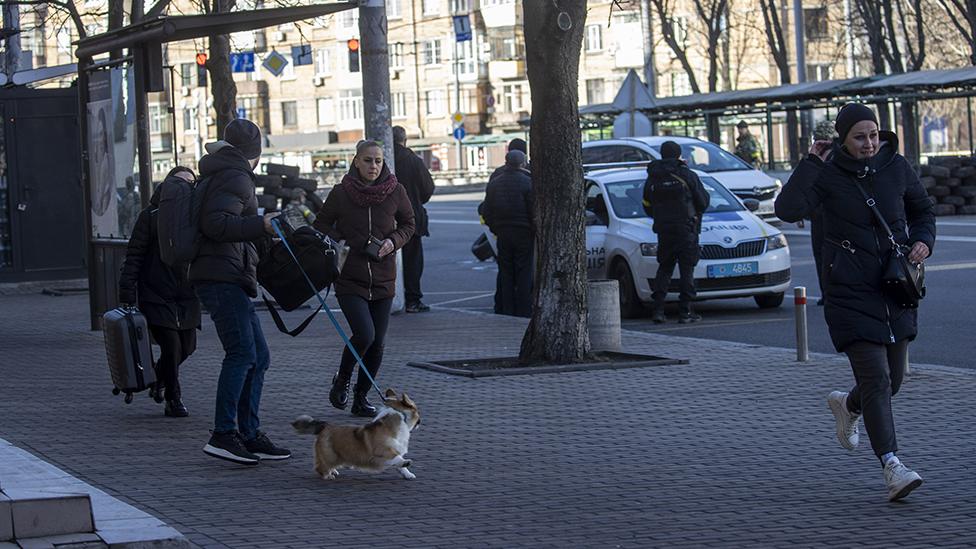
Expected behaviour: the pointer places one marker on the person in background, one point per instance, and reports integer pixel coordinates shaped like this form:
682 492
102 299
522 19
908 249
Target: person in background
872 329
508 212
747 146
129 205
371 211
516 144
417 181
165 296
224 273
676 199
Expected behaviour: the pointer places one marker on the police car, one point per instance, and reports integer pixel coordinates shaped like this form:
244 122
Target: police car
735 175
741 255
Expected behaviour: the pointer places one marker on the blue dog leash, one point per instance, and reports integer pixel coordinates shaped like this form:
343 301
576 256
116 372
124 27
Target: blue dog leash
277 227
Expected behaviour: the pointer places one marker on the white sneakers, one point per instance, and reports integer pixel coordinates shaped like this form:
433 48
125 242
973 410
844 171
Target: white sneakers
847 433
900 479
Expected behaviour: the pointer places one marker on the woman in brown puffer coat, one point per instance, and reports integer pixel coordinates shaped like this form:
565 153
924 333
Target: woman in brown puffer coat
368 205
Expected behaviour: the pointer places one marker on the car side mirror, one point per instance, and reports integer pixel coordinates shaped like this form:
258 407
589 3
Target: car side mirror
751 204
591 218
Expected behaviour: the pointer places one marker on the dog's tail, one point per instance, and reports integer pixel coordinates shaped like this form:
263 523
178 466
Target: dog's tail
307 425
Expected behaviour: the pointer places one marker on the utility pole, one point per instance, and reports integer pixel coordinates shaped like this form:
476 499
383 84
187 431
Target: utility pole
801 69
11 21
647 30
457 97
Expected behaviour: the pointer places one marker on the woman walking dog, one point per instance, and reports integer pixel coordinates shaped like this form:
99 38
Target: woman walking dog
370 210
164 296
871 328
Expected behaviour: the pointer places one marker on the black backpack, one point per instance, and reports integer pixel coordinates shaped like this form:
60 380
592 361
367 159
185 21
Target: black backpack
178 219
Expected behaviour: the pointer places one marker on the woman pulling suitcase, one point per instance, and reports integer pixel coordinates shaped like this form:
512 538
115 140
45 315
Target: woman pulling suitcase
164 296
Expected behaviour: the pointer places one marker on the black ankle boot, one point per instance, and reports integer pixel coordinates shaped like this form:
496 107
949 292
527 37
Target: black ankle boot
339 394
175 408
361 407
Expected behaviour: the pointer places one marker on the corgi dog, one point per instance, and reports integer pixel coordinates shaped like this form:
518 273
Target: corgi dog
376 446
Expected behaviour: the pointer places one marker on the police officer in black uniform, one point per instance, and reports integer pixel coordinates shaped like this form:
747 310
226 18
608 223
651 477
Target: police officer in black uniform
676 199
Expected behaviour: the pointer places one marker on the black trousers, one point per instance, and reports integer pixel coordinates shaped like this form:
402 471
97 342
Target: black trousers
368 321
681 250
513 287
175 347
817 241
413 269
878 372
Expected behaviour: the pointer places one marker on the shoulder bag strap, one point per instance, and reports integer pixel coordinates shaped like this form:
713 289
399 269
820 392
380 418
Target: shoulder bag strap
281 324
878 217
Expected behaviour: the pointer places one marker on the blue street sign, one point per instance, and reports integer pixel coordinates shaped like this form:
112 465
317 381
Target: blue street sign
459 133
462 28
241 112
242 62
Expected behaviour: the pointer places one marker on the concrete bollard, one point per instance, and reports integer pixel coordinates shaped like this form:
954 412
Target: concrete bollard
603 315
802 344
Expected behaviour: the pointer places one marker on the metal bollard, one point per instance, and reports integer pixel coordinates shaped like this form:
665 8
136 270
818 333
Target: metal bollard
802 345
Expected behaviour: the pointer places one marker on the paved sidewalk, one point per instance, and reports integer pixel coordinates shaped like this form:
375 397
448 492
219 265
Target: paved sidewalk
735 449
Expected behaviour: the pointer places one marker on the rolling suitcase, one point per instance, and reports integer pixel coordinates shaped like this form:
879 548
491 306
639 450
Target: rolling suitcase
129 353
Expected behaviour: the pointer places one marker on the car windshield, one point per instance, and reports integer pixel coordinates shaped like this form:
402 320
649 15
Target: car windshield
708 157
626 197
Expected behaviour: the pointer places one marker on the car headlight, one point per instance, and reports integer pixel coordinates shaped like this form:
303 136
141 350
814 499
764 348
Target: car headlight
776 242
648 249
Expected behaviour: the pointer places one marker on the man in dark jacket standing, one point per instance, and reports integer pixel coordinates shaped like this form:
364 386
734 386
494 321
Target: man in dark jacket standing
676 199
516 144
225 275
416 179
507 210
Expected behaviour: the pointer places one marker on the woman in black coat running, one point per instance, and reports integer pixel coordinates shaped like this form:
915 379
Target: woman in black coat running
873 330
164 296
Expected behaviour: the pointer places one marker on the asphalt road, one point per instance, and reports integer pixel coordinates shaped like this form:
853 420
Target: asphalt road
454 278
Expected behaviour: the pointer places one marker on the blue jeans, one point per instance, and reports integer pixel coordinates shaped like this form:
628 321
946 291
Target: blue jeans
246 357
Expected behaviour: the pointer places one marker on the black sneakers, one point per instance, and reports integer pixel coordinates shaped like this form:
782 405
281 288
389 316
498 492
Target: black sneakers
263 448
417 307
689 318
175 408
229 446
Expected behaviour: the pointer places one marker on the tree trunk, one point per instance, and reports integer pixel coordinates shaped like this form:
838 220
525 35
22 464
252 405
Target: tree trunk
557 331
221 79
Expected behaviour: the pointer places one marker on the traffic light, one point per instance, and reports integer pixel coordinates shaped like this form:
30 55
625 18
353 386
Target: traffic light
202 70
353 46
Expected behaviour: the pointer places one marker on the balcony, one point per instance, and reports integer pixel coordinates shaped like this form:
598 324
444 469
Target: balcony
502 15
506 70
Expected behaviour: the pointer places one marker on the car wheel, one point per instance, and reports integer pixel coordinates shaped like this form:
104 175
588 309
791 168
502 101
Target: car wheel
630 304
769 301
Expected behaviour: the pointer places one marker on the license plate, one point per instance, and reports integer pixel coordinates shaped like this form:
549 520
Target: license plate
725 270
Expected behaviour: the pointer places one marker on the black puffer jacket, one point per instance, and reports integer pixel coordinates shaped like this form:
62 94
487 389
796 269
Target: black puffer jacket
229 222
163 293
855 307
413 174
508 200
674 197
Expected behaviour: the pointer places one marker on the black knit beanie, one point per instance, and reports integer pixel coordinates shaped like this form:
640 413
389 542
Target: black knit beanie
670 149
851 114
245 136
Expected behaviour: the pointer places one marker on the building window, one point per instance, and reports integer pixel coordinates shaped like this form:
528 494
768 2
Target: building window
326 111
190 123
505 45
394 9
188 74
289 113
431 7
432 52
819 73
396 55
680 26
64 40
460 6
158 119
399 107
680 84
594 91
349 19
247 107
350 105
435 105
594 38
323 62
512 97
465 58
815 23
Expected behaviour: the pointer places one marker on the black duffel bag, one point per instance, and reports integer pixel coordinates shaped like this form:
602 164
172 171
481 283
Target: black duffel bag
284 279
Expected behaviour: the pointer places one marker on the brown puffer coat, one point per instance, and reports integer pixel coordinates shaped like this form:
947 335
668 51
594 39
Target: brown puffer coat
342 218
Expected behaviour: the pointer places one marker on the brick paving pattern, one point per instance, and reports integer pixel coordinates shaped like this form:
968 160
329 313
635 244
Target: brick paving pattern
735 449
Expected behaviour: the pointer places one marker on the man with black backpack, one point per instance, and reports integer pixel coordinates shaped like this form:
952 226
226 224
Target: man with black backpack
676 199
224 273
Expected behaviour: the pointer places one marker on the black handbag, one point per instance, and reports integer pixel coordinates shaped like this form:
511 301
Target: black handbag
903 281
283 278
